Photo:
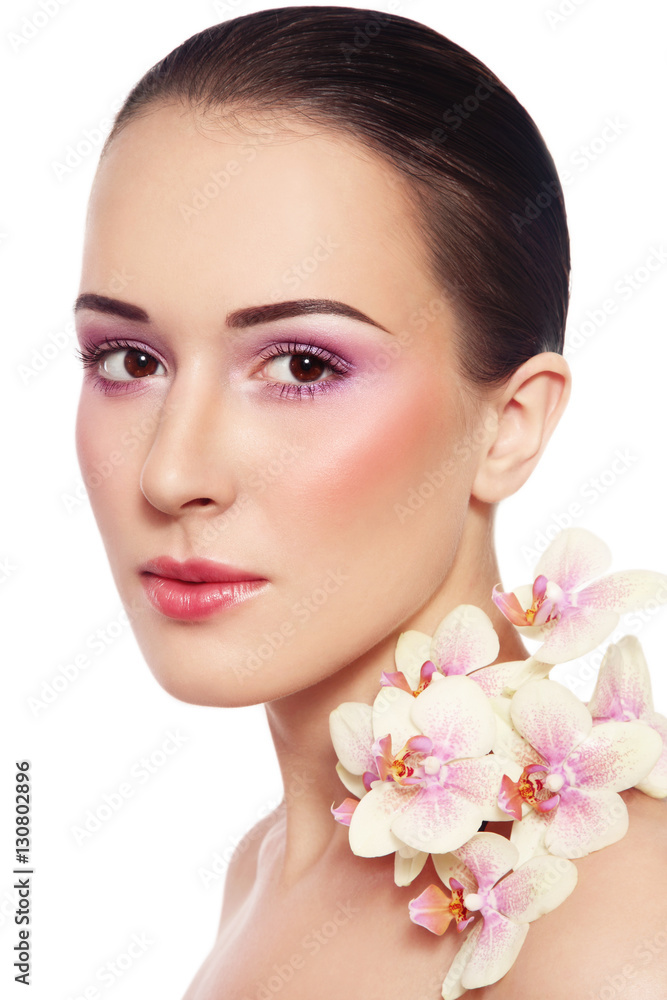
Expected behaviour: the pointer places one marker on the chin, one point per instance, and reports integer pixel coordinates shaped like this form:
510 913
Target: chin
228 685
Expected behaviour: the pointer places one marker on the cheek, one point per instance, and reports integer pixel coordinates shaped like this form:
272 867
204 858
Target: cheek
375 458
107 460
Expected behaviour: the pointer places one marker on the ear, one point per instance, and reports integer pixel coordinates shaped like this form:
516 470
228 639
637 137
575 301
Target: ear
527 411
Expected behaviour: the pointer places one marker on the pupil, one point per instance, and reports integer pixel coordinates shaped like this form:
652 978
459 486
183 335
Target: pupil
139 363
305 367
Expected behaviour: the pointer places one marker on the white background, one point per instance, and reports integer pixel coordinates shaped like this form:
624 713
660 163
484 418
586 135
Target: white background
141 872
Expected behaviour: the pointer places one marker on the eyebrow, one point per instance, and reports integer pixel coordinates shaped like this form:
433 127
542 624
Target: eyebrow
240 318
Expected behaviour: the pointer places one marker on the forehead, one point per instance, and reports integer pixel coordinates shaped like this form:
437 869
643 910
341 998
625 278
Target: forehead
265 212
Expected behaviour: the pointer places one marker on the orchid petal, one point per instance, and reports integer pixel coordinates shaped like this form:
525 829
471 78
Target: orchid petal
506 678
370 828
352 735
412 649
464 641
438 819
510 605
625 591
352 782
575 556
343 813
513 752
391 714
551 718
534 888
406 869
623 687
496 950
395 679
478 779
586 821
509 798
431 910
529 834
452 987
539 587
578 631
655 783
456 714
488 856
450 866
615 756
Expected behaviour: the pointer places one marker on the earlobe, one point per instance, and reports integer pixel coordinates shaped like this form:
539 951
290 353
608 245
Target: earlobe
528 409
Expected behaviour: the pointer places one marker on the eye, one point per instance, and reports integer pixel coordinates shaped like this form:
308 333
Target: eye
119 361
296 368
129 363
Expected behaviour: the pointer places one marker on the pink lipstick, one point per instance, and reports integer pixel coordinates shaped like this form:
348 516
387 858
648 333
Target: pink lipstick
196 588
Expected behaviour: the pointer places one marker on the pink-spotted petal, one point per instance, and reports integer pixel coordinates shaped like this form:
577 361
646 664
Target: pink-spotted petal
655 783
464 641
496 951
452 987
506 678
458 717
623 687
627 590
534 888
576 632
513 752
370 827
431 910
437 820
391 714
615 756
412 649
449 866
408 866
488 856
574 557
352 735
478 779
551 718
585 821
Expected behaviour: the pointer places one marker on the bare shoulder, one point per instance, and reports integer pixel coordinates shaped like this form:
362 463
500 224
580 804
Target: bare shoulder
242 867
609 938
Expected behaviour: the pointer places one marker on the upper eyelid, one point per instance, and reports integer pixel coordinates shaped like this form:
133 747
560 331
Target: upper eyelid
292 346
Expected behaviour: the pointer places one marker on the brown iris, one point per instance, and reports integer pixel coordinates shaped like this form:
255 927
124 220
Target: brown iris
305 367
139 363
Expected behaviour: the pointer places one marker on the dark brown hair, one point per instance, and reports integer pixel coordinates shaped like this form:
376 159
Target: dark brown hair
487 197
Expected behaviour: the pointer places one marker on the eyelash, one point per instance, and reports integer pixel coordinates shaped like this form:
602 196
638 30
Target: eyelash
90 355
289 389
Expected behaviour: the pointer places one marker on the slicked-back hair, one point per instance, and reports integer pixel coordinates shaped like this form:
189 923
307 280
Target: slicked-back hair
487 199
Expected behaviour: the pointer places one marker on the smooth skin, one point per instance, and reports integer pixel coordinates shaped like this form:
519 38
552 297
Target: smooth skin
215 455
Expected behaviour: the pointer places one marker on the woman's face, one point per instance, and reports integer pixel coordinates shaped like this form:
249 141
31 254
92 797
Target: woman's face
328 454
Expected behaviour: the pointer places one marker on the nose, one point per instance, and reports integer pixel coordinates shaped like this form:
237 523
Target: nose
188 464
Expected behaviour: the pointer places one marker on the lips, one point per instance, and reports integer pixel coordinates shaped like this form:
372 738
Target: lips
197 570
196 588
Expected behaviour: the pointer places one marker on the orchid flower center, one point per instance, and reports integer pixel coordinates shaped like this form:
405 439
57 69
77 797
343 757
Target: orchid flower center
547 596
425 676
537 787
406 767
457 906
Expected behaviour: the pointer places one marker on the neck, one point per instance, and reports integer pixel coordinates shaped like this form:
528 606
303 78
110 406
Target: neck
299 723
